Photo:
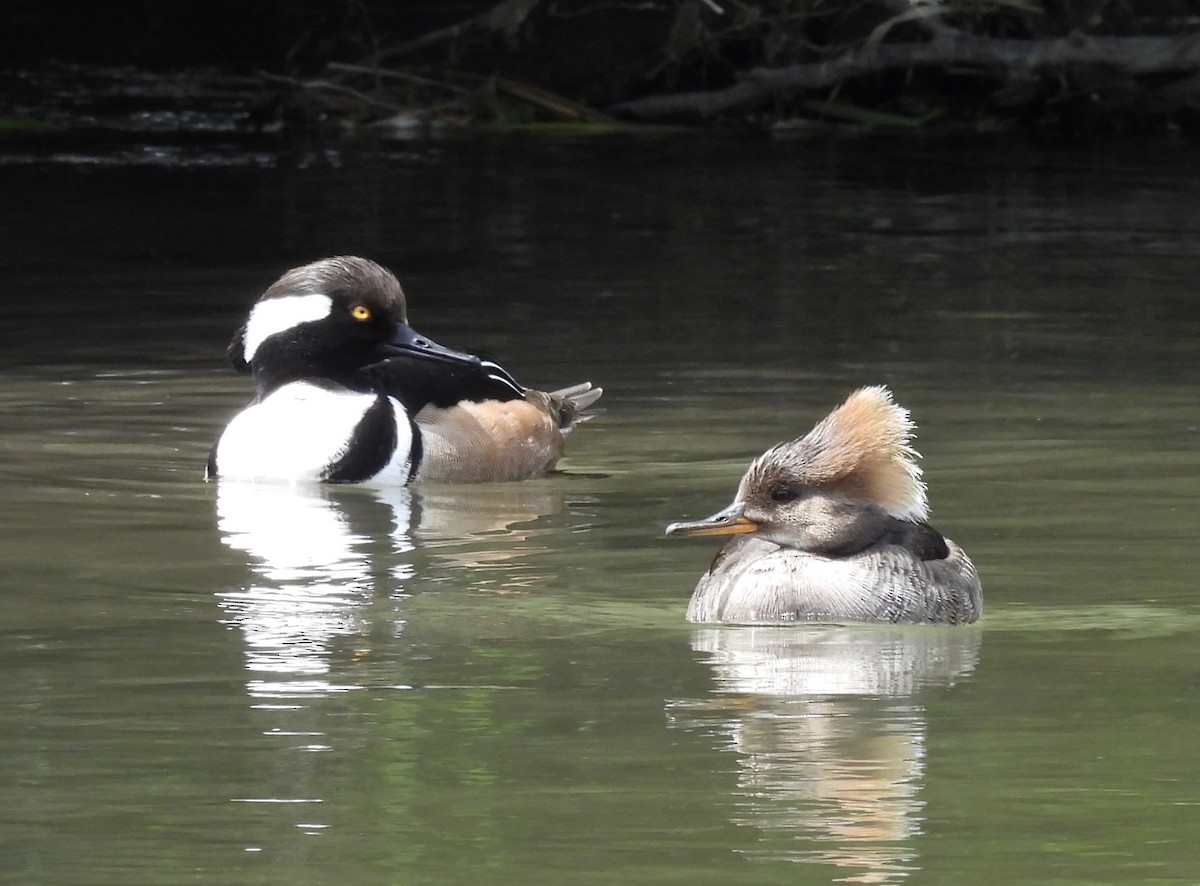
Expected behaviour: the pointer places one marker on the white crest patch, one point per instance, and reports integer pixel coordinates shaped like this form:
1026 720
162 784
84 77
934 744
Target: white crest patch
277 315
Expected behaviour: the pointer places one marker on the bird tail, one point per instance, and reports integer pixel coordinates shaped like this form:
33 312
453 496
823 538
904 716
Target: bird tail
572 405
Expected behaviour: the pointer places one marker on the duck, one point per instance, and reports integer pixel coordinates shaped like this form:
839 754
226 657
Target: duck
832 527
348 392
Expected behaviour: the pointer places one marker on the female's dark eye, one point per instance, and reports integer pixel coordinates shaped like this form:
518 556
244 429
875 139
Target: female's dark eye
781 492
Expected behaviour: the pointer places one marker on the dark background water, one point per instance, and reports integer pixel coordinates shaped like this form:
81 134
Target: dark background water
496 683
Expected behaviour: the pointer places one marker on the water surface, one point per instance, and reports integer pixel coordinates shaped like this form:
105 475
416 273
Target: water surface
495 684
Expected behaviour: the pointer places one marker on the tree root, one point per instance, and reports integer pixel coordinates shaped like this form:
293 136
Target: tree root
1013 59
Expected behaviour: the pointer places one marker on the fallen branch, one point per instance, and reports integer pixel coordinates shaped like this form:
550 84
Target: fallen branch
405 76
1016 58
504 18
325 86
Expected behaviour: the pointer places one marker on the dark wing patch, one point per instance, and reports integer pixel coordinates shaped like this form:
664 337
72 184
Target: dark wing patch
500 377
418 382
931 545
921 539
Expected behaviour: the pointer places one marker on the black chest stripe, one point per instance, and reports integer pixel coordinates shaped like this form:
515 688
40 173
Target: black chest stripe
371 445
418 449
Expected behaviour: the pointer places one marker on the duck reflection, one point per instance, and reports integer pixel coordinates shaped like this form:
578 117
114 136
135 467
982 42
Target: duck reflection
829 735
332 566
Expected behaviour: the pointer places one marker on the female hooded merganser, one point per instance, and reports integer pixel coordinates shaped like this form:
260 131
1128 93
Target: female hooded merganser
348 392
839 532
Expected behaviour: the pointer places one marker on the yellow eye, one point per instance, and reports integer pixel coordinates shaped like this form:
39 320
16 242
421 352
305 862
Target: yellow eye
360 312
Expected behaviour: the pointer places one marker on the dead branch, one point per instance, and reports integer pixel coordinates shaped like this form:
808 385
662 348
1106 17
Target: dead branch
325 86
1013 58
390 74
504 18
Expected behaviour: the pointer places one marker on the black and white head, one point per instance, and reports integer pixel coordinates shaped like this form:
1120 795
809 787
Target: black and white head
328 321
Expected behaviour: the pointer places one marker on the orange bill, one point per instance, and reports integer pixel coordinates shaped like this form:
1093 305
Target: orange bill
730 521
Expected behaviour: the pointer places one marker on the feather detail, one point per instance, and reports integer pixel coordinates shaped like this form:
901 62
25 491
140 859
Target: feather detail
864 447
494 440
487 442
570 406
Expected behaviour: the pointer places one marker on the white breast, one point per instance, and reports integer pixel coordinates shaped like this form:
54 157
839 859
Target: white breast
294 434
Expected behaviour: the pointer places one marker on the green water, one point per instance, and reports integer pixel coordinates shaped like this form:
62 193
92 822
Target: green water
496 684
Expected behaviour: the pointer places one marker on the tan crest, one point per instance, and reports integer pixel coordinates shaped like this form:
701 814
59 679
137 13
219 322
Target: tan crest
864 446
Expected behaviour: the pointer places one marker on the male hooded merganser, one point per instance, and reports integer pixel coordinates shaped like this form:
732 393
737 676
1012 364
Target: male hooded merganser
839 532
348 392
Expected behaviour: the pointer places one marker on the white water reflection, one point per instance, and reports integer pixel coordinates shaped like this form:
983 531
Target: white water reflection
829 736
313 583
331 567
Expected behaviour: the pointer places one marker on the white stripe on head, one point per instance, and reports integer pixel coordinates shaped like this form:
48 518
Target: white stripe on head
274 315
